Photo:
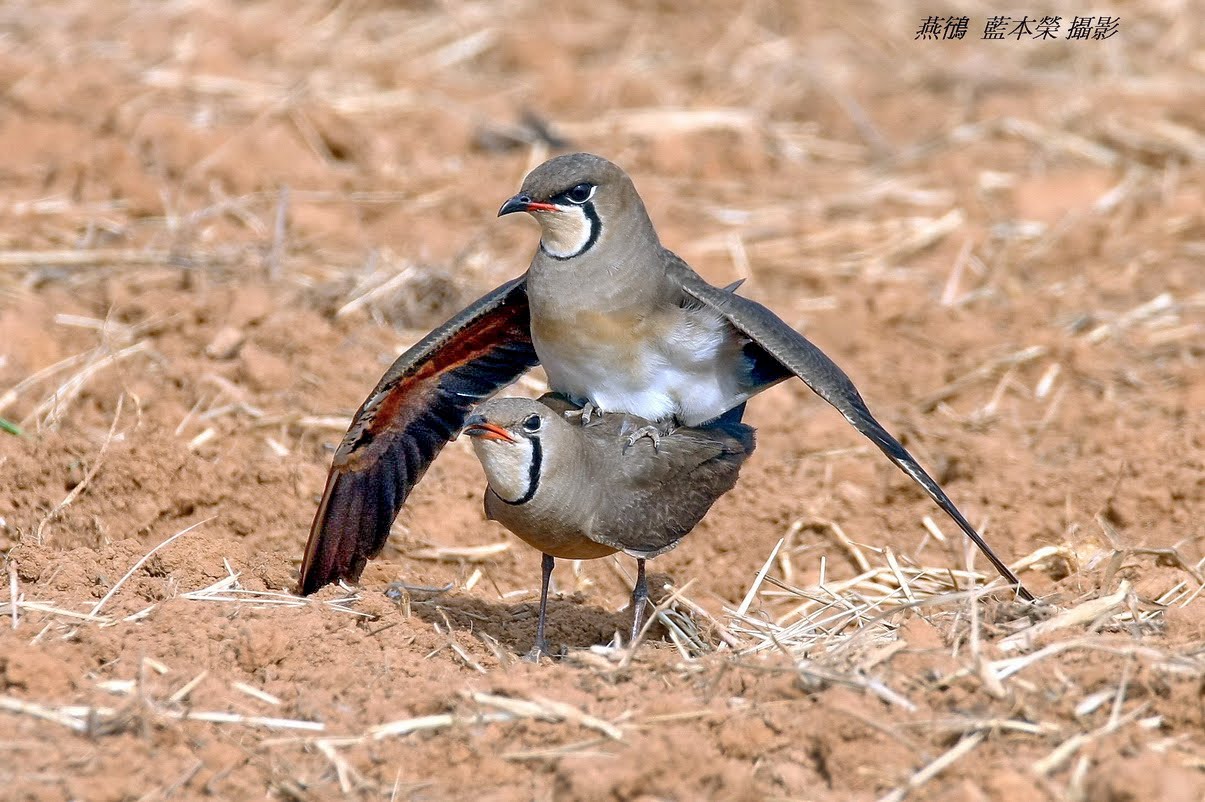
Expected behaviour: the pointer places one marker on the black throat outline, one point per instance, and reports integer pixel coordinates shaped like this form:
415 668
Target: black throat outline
595 230
533 474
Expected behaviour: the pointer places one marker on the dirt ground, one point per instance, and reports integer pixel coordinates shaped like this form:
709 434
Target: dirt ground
220 221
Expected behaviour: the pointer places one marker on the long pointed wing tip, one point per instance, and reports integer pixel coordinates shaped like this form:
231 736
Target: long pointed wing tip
1020 589
307 584
312 578
332 552
329 560
311 581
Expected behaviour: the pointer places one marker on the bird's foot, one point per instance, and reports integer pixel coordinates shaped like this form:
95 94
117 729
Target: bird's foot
588 414
637 620
537 651
653 432
640 598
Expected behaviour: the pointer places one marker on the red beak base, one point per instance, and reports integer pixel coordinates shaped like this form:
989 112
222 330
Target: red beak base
524 203
487 431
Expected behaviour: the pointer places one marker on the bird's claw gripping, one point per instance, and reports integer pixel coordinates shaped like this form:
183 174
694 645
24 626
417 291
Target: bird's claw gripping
588 414
652 432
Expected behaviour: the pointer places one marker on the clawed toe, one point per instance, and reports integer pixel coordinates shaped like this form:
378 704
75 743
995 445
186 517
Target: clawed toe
652 432
588 414
537 651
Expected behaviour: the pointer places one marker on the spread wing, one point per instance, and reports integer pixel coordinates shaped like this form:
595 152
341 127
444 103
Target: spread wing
419 404
778 351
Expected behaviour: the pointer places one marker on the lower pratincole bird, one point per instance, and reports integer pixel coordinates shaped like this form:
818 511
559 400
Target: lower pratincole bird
619 323
579 491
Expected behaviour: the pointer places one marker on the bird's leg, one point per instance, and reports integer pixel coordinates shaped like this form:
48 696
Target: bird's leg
588 414
654 432
541 647
640 597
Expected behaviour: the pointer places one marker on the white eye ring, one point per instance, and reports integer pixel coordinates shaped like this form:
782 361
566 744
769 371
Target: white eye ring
571 199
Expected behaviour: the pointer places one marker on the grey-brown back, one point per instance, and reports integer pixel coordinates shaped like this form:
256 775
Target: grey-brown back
651 496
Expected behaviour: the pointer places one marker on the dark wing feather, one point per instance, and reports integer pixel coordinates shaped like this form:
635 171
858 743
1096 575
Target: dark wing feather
777 351
420 403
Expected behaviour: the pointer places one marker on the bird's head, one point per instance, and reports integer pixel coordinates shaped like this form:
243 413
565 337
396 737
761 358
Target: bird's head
510 437
575 199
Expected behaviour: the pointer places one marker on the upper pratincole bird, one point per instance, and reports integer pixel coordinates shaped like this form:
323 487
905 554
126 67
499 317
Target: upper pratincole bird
616 320
580 492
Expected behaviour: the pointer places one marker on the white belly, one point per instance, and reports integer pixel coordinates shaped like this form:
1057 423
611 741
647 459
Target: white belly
688 366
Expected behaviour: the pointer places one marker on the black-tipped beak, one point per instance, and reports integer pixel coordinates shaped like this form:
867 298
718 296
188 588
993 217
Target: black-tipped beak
478 426
524 203
516 204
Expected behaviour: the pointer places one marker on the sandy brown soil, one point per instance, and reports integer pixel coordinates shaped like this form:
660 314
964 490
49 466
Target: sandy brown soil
220 222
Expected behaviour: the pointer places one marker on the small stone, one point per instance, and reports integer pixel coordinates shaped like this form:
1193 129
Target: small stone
225 344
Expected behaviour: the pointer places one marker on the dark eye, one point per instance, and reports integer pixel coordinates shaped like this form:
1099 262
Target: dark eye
581 193
532 423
